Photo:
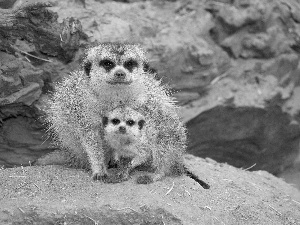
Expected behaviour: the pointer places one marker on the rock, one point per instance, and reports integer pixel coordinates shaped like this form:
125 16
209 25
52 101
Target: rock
244 137
9 80
255 90
21 82
6 4
292 106
22 135
27 95
238 17
293 7
202 53
57 195
249 30
282 67
22 141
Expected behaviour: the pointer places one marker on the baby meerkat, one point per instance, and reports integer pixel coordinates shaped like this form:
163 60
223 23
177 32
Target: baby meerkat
125 135
112 75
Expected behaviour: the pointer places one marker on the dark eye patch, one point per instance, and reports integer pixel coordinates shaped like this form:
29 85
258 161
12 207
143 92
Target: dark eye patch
130 64
107 64
104 121
115 121
141 124
130 122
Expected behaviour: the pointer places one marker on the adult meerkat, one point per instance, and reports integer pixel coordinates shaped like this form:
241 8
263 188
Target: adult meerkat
112 74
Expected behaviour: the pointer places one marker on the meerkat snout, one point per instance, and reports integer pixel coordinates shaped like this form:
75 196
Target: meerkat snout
120 75
122 130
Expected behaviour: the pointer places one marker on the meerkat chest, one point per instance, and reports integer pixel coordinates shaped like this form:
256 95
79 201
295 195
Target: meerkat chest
111 97
125 145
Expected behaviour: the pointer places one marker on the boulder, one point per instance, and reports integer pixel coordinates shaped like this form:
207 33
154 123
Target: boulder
245 137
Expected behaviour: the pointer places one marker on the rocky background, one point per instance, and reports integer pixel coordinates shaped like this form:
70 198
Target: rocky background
234 66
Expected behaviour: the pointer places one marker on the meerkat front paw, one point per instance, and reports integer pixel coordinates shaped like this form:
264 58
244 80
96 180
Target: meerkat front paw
147 178
99 176
117 177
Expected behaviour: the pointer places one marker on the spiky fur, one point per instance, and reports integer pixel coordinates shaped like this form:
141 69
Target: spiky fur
80 101
127 141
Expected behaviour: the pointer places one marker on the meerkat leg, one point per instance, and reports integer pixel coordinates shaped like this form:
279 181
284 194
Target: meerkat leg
160 162
149 178
121 173
137 161
96 155
124 168
116 158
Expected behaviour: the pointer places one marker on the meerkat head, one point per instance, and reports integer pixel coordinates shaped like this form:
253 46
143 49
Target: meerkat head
124 121
115 63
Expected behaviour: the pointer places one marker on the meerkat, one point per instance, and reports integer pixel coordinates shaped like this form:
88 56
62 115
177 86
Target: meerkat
125 135
112 74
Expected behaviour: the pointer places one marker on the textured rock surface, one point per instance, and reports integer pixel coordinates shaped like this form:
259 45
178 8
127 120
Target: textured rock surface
24 141
253 29
57 195
245 136
20 81
22 136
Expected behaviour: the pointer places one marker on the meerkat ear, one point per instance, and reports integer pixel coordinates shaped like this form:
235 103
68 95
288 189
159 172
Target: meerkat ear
87 65
146 66
141 124
104 121
150 70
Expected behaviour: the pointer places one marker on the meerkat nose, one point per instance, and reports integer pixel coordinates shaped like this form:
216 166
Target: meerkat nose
122 130
120 74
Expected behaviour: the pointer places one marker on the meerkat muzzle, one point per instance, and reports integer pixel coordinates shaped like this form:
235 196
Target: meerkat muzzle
122 130
120 75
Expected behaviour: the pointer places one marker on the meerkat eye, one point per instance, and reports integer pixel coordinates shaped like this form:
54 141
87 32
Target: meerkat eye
130 64
107 64
115 121
130 122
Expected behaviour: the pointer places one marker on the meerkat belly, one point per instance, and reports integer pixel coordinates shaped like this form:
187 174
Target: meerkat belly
124 145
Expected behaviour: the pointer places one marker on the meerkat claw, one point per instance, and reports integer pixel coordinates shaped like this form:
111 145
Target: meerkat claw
98 176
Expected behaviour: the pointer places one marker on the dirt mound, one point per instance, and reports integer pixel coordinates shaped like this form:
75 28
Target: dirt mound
58 195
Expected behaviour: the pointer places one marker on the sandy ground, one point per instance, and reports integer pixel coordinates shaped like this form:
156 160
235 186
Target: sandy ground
60 195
